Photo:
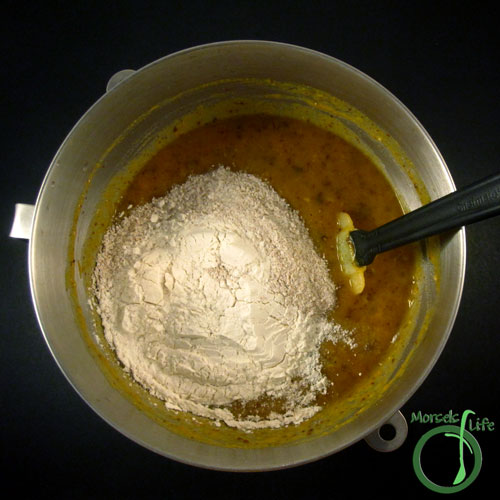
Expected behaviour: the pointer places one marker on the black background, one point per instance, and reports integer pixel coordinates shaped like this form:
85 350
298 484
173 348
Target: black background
438 58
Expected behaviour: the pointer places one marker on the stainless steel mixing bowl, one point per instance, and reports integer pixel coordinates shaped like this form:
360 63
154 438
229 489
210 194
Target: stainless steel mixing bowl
136 107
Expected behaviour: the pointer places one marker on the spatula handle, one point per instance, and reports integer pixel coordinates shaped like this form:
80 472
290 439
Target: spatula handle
472 203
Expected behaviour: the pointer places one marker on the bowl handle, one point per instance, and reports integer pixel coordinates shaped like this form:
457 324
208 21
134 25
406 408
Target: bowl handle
23 221
118 77
400 430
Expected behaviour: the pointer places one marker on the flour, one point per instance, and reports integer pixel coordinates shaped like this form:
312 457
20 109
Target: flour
215 294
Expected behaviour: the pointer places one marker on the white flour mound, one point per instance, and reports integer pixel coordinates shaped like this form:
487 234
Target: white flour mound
215 294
